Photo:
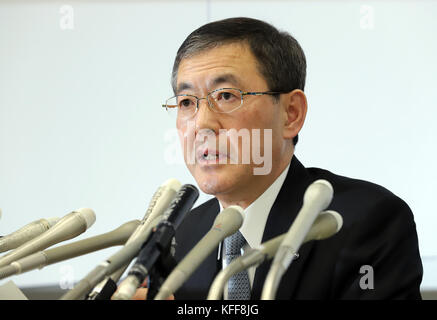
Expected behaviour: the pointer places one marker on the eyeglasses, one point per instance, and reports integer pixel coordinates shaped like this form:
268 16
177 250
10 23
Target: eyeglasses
224 100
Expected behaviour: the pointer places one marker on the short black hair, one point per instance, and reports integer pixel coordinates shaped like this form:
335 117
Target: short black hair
280 58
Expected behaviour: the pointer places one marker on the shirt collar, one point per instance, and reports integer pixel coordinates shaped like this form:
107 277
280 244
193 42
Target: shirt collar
256 214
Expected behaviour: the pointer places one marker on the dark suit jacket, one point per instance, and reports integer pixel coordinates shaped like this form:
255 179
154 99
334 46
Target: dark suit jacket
378 231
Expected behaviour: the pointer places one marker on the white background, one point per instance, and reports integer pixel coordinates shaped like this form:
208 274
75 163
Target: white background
81 123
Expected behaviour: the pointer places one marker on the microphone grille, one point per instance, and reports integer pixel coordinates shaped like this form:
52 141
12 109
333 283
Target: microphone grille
326 183
338 218
89 216
238 208
319 189
229 219
173 184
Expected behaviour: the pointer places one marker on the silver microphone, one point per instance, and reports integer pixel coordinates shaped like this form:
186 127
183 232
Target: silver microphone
47 257
227 222
151 218
326 224
70 226
159 245
317 198
147 223
122 258
26 233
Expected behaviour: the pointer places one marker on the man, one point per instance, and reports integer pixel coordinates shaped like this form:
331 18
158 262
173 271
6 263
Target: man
243 75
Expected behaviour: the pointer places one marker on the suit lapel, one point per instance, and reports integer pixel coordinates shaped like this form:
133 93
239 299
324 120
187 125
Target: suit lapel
194 227
213 262
283 212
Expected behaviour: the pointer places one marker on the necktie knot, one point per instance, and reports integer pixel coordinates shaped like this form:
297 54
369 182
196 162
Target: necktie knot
234 243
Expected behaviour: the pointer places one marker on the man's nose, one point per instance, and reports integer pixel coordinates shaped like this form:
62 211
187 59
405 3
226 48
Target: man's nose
206 118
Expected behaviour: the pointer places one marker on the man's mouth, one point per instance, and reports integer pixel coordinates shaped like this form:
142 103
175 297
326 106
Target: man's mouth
210 156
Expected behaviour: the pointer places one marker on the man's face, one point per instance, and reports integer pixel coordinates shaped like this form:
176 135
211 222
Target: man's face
222 173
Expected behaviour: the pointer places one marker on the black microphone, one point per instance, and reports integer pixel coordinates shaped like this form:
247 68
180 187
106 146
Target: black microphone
157 251
227 222
159 203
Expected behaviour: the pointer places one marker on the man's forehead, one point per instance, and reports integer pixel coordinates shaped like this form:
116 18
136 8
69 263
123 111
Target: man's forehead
230 64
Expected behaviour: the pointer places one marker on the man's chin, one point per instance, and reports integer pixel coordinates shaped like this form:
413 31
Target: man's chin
212 182
225 180
211 186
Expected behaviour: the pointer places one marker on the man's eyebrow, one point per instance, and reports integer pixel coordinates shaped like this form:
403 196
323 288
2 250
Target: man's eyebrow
183 86
224 78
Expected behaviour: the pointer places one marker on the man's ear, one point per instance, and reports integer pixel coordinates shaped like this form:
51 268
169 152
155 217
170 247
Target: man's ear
295 110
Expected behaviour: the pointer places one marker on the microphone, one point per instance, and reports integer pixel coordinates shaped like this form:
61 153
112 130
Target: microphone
157 207
109 283
26 233
326 224
44 258
70 226
317 198
159 245
226 223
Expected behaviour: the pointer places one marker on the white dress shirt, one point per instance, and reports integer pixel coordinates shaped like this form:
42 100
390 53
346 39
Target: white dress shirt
255 219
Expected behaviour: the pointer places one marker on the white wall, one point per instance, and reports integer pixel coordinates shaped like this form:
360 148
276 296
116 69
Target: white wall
81 123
